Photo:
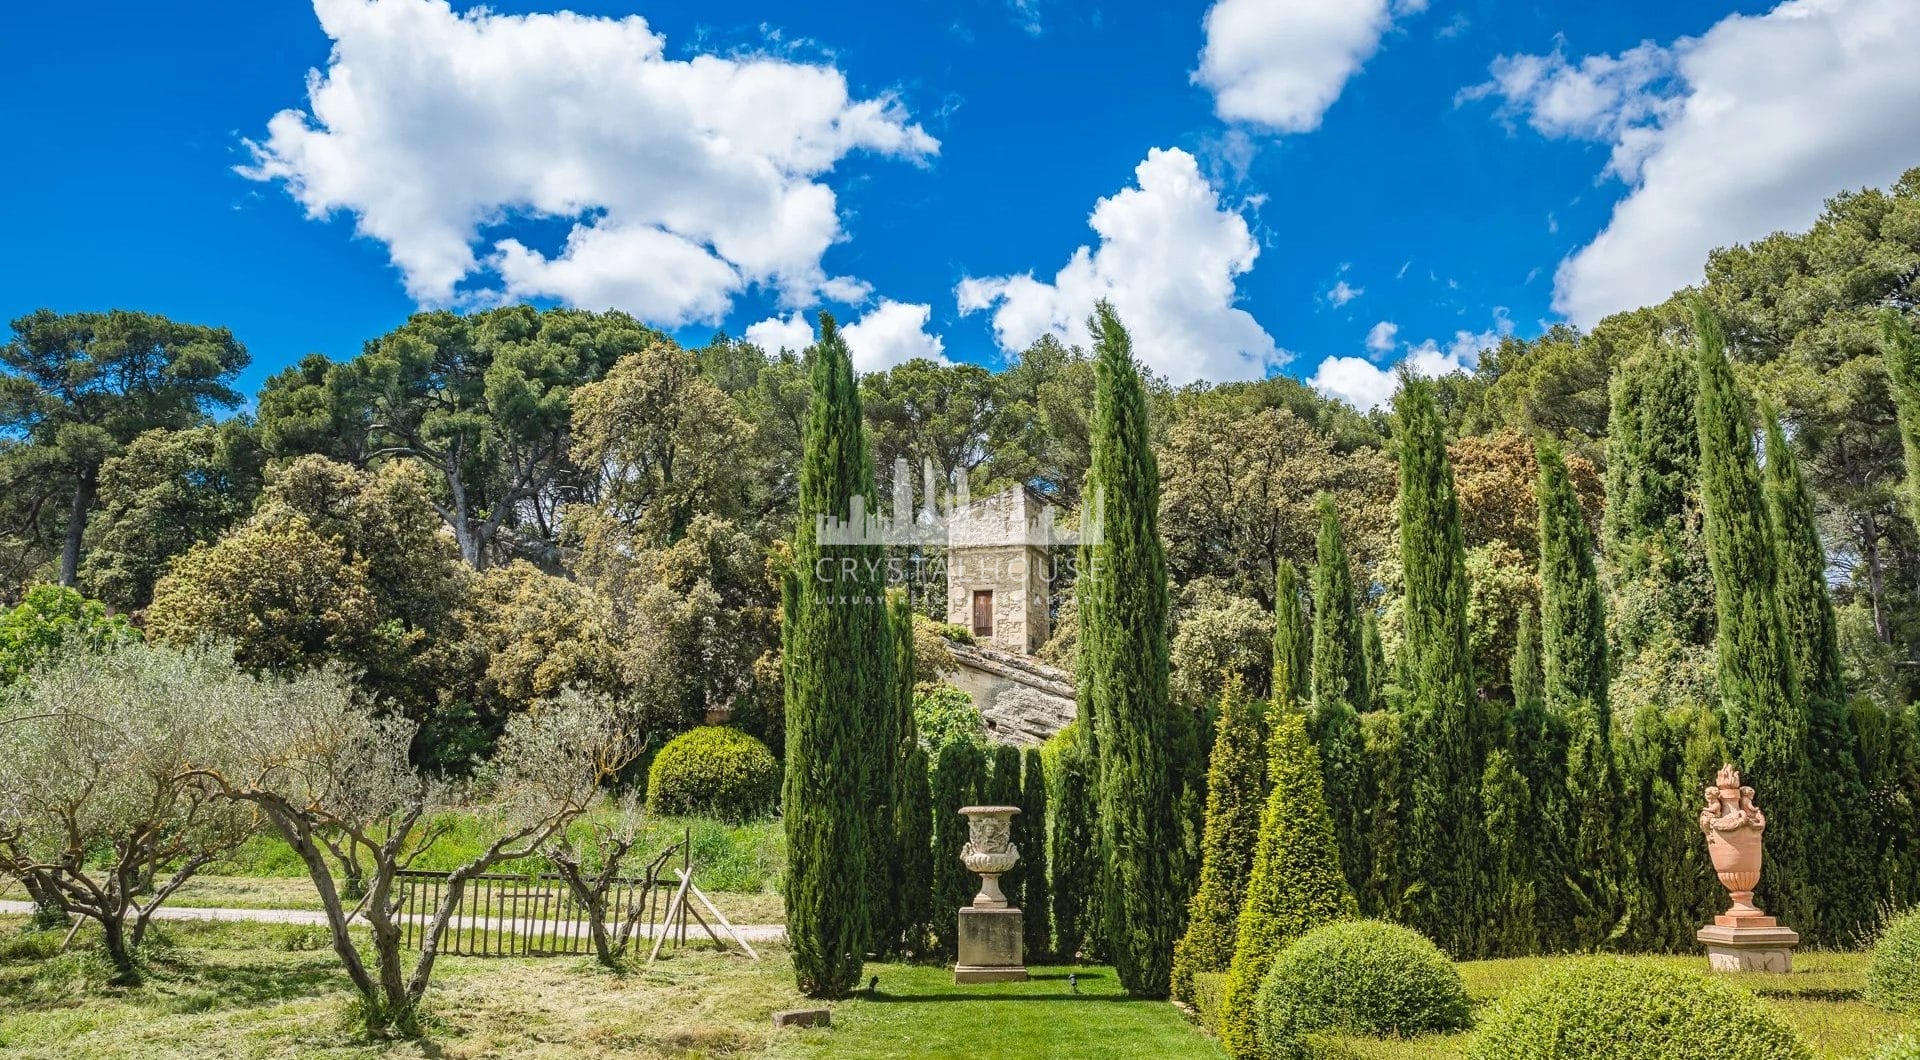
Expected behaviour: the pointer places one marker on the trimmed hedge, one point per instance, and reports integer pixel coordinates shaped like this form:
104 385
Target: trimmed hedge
714 770
1364 977
1605 1008
1893 979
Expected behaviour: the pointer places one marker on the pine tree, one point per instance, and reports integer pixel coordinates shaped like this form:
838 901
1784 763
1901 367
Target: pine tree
1339 683
838 655
959 779
1441 838
1137 733
1765 723
1034 899
1903 373
1236 793
1296 884
912 860
1003 789
1071 842
1292 640
1574 643
1838 851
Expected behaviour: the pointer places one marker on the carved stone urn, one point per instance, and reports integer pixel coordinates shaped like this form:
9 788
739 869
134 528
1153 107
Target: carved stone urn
989 850
1734 827
1742 939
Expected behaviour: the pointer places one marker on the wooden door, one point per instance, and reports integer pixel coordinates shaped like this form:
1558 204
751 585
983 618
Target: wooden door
983 612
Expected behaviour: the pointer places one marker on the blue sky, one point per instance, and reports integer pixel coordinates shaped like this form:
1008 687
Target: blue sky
1282 178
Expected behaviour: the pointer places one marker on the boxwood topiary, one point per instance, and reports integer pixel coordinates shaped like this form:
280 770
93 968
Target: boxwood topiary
1893 978
1606 1008
1363 977
714 770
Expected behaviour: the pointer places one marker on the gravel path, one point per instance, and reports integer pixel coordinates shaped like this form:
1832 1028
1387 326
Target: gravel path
750 932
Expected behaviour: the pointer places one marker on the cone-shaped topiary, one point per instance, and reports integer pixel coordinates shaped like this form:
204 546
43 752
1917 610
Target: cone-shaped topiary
1442 841
1839 852
1607 1008
1339 682
1296 884
1363 977
1034 899
1292 639
1137 734
1236 795
837 656
1766 725
1893 976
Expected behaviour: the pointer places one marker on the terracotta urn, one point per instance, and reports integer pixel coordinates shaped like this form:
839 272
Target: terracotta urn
1734 828
989 850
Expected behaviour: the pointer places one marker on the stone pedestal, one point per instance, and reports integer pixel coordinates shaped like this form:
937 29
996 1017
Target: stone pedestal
992 946
1748 944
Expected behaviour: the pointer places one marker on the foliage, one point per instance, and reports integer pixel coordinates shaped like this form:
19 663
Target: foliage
1003 789
906 883
1292 684
53 620
1365 977
1035 899
1666 756
1136 733
94 813
713 770
1236 793
1604 1006
1071 852
530 635
1893 979
1766 723
1296 884
1903 373
1339 686
838 657
1441 840
943 714
959 779
1217 637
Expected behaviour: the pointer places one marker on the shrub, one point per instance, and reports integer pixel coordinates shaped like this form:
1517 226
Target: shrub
1893 979
944 714
1905 1047
714 770
1608 1008
1209 991
1364 977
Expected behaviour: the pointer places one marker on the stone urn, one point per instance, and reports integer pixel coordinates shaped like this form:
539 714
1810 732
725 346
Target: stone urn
989 850
1734 827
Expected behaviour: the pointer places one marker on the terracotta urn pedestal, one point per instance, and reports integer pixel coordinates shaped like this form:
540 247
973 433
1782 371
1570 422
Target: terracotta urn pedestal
992 932
1742 939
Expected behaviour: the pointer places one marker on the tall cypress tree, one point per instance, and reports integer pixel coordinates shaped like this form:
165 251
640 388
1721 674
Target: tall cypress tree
959 779
838 657
1072 841
1766 725
910 878
1442 838
1137 732
1574 644
1034 897
1236 792
1339 676
1376 658
1292 640
1903 371
1536 742
1003 789
1838 852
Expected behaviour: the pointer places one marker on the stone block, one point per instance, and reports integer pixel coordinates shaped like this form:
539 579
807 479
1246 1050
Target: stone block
1749 949
992 946
803 1017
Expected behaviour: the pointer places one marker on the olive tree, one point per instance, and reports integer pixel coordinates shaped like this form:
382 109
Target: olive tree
96 817
333 778
591 865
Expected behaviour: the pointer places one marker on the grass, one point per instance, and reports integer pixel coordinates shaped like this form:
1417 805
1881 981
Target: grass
259 991
288 892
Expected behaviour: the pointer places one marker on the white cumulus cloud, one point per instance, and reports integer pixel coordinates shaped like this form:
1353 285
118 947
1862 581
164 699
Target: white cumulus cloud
791 332
1764 118
1280 65
888 334
1382 337
1366 385
1169 258
1344 292
684 181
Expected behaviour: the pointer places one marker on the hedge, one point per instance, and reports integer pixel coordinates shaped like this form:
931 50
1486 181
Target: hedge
714 770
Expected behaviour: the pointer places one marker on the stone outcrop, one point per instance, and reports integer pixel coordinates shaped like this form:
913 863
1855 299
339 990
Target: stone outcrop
1023 700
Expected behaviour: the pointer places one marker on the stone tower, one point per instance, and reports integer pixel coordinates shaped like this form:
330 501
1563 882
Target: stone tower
999 573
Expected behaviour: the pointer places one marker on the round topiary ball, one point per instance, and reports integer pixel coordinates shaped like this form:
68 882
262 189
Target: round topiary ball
714 770
1893 977
1606 1008
1362 977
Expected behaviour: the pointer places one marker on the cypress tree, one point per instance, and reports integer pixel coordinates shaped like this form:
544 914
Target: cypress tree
838 656
1765 723
1384 741
1292 640
959 779
1003 789
1536 742
1838 853
912 858
1072 841
1526 680
1574 643
1903 372
1236 793
1137 733
1296 884
1376 657
1339 683
1509 802
1441 832
1034 899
